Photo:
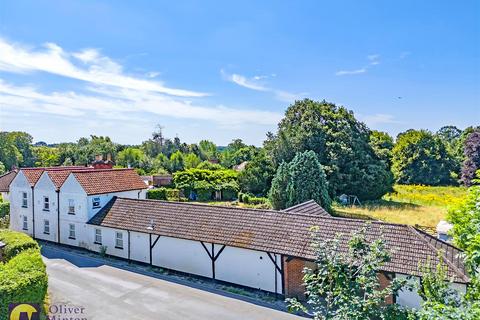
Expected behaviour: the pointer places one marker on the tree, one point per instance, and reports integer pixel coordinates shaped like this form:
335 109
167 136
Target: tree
208 150
300 180
176 162
130 157
345 284
419 157
23 142
466 224
441 301
257 176
191 160
382 144
9 154
46 156
472 157
2 168
340 142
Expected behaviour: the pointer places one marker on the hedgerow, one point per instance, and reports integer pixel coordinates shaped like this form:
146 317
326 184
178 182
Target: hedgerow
157 194
23 277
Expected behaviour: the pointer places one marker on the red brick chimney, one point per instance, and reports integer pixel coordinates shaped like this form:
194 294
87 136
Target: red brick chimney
99 163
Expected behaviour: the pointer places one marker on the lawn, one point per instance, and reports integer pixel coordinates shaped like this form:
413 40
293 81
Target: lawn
413 205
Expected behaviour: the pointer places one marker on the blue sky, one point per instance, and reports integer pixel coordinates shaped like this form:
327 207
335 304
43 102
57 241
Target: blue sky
223 70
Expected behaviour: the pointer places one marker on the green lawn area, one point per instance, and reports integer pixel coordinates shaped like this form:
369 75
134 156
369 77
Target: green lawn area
413 205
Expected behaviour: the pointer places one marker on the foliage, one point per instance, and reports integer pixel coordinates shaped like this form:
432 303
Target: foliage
191 160
204 182
466 225
236 153
4 209
46 156
441 301
208 150
300 180
10 156
103 250
472 157
257 176
340 142
345 284
23 276
207 165
2 168
176 161
249 199
382 144
130 157
16 242
419 157
157 194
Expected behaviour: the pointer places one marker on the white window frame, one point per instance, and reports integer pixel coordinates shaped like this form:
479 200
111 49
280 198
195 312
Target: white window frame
119 240
98 236
46 226
71 231
94 201
24 200
46 203
25 223
71 206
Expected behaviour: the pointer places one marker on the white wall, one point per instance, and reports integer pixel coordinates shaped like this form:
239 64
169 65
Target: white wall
412 299
108 240
104 198
249 268
45 188
181 255
17 212
140 243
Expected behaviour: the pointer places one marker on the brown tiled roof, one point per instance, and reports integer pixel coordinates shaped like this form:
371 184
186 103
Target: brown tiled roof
33 174
99 181
6 179
59 176
274 231
309 207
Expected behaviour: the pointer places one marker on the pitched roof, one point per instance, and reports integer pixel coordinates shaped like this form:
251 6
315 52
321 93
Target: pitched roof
58 177
309 207
98 181
275 231
33 174
6 179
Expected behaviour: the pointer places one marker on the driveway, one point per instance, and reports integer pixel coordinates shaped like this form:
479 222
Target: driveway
106 292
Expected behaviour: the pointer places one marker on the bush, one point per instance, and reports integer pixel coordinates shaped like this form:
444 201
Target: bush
4 209
15 243
250 199
157 194
173 194
229 194
204 194
23 277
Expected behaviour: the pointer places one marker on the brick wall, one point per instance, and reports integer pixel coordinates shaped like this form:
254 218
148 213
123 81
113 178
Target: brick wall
293 274
385 280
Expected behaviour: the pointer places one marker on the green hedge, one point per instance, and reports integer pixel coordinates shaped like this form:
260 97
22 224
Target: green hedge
4 209
16 242
157 194
23 277
249 199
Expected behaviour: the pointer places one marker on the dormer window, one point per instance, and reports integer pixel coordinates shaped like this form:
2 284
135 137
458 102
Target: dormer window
24 200
46 204
96 202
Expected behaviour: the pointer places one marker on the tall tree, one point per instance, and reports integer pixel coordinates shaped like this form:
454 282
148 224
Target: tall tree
300 180
341 143
419 157
257 176
382 143
472 158
208 150
9 154
130 157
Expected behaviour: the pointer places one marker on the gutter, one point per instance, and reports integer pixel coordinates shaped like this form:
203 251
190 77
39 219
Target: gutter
58 216
33 213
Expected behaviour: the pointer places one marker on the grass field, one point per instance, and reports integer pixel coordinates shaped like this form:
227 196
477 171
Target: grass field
413 205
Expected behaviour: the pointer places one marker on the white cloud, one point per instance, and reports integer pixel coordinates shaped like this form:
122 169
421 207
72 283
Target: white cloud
95 69
123 104
349 72
378 118
255 83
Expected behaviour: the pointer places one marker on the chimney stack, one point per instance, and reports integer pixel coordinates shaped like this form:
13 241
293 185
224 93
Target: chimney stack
99 163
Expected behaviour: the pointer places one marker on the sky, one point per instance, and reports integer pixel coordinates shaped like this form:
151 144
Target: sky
221 70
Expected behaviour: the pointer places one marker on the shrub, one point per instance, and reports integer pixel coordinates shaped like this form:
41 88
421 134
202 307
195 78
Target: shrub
23 277
173 194
4 209
15 243
157 194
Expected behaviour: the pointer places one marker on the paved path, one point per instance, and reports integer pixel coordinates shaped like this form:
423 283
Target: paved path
107 292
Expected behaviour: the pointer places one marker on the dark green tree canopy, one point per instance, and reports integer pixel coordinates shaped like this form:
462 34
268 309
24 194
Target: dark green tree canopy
340 142
298 181
419 157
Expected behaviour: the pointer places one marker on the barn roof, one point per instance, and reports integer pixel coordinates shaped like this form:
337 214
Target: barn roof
282 232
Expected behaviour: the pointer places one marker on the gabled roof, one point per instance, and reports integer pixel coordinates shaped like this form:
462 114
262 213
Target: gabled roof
33 174
308 207
58 177
279 232
99 181
6 179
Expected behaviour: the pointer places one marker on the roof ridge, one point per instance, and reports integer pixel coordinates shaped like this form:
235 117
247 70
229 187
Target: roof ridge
301 204
100 170
445 258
